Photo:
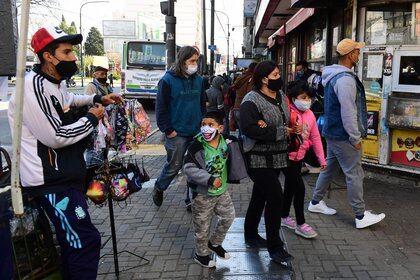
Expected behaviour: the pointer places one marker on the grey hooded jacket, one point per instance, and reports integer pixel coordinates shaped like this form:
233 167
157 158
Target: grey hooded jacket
195 166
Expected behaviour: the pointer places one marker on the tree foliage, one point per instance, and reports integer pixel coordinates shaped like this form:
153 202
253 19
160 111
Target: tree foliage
94 44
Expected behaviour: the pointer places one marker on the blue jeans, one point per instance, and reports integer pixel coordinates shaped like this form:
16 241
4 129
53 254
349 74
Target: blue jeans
175 152
345 155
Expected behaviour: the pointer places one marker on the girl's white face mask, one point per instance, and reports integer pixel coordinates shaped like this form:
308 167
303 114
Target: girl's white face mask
208 132
302 105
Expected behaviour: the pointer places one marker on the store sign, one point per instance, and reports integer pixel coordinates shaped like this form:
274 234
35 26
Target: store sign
372 121
406 148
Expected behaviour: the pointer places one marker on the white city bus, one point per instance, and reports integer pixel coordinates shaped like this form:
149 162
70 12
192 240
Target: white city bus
143 65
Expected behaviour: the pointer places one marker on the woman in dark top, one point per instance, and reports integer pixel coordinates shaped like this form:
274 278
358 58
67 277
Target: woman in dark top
267 157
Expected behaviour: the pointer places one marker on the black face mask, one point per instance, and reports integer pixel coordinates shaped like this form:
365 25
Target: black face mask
66 69
275 85
102 80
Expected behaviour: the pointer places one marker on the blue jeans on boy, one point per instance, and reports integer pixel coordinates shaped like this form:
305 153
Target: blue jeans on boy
343 154
175 152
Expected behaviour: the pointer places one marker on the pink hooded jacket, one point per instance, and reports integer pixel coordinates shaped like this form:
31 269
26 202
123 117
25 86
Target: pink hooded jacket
311 136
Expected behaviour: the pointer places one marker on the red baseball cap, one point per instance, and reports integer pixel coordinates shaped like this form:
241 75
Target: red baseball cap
48 34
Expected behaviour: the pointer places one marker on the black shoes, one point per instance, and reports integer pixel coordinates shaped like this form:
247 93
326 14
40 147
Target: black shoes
219 251
256 242
281 256
157 197
205 261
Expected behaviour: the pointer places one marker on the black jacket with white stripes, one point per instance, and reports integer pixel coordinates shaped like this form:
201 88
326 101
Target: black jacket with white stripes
52 150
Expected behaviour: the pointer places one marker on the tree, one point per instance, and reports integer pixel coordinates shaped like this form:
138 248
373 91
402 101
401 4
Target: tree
72 29
94 43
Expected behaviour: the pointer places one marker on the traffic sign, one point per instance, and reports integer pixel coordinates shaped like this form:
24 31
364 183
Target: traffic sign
212 47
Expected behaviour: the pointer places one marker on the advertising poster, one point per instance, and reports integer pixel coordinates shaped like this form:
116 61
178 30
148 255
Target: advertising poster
405 148
372 120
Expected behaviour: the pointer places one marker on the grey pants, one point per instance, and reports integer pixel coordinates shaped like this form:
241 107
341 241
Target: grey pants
203 209
343 154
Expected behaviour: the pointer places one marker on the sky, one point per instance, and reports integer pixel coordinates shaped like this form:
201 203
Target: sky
94 13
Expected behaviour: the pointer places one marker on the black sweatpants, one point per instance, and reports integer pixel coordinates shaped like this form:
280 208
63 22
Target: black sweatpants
294 189
266 194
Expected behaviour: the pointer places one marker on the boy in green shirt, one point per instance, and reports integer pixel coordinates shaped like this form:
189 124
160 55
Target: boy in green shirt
212 161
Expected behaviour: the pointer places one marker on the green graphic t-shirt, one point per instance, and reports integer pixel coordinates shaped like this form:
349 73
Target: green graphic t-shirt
216 163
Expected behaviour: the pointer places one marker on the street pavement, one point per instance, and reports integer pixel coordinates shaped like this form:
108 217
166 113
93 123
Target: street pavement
389 250
164 236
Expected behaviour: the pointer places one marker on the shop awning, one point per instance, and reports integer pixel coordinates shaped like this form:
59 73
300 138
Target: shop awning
272 39
296 20
299 18
318 3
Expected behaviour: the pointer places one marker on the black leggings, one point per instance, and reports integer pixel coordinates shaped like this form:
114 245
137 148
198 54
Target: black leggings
266 194
294 189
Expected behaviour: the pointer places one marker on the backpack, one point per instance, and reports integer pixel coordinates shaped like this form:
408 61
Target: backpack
229 96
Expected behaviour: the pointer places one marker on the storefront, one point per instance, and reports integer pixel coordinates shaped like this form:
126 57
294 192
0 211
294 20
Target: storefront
390 72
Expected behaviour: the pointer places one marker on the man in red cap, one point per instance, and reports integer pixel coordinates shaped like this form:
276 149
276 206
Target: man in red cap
52 166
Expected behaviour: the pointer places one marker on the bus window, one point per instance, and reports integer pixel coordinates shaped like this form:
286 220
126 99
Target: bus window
146 53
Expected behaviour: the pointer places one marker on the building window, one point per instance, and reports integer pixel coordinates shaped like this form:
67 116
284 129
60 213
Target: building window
393 25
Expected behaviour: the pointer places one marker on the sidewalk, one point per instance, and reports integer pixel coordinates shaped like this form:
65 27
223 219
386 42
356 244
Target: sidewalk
164 235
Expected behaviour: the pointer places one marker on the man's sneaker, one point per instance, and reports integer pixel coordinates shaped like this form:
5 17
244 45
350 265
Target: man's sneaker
369 219
281 257
322 208
219 251
205 261
288 222
256 242
157 197
305 231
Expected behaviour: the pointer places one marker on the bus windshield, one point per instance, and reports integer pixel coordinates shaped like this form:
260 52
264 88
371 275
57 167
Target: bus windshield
146 54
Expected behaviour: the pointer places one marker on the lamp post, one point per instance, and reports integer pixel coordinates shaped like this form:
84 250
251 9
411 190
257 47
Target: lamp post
81 45
228 36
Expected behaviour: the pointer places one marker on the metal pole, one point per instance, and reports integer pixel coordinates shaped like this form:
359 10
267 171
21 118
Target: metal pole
203 3
329 40
81 45
17 200
212 38
82 68
170 21
228 39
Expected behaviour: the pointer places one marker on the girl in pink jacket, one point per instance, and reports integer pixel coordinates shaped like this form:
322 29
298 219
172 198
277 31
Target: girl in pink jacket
305 134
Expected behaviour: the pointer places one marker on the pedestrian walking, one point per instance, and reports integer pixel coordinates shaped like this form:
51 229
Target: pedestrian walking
304 136
345 124
52 168
212 161
215 95
111 80
266 157
180 106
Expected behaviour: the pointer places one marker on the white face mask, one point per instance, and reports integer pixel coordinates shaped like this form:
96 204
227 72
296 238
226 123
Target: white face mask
191 69
302 105
208 132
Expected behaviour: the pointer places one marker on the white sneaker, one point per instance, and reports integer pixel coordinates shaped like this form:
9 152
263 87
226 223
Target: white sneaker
369 219
322 208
